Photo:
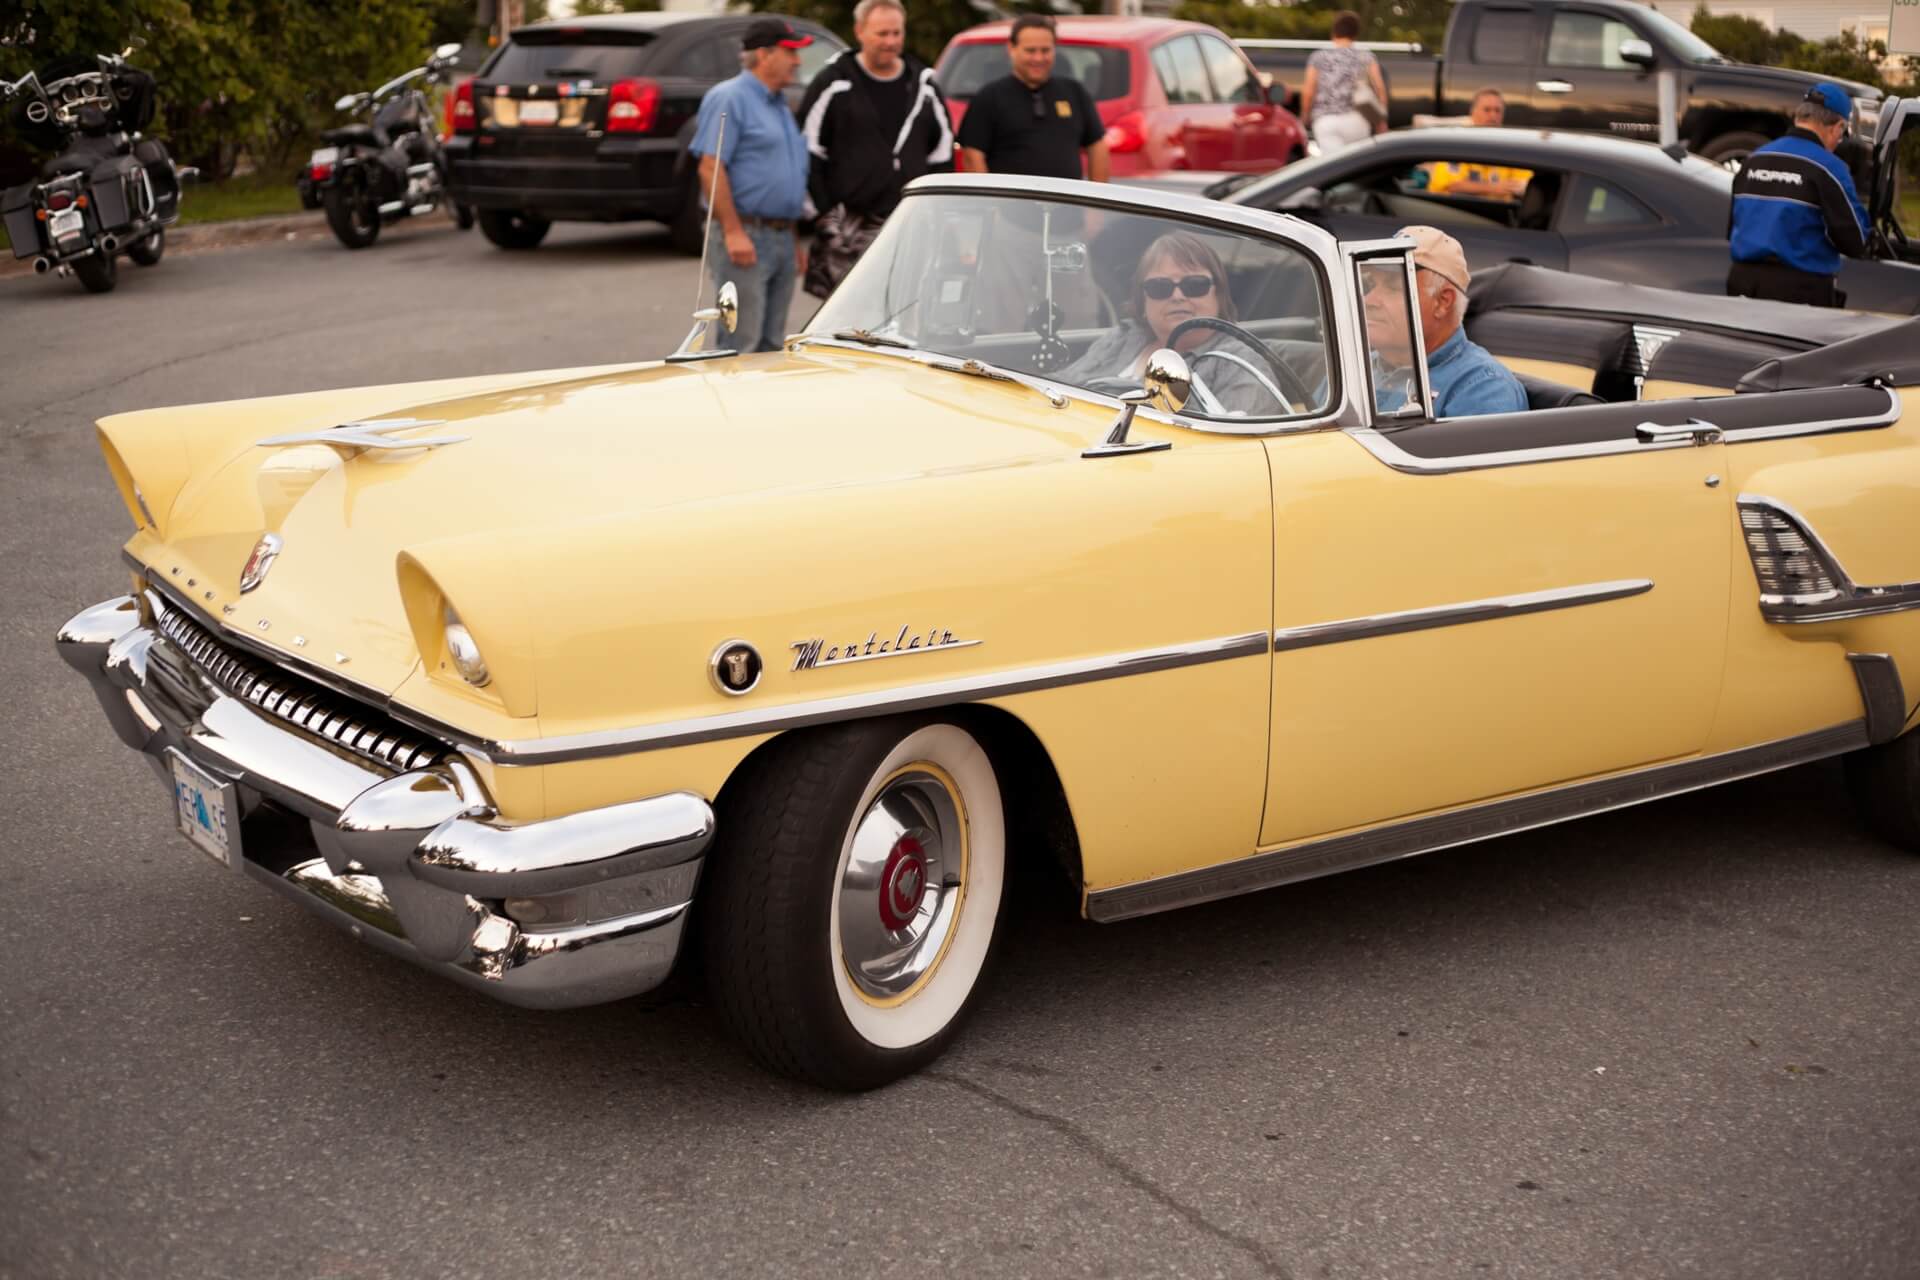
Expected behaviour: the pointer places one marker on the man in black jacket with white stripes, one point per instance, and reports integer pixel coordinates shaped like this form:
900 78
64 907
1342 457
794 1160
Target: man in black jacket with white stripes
874 121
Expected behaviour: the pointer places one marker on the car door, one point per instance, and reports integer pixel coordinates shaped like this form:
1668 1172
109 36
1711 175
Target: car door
1613 235
1582 82
1481 607
1259 141
1199 127
1375 201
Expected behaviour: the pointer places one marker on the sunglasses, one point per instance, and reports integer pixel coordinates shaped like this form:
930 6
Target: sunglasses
1160 288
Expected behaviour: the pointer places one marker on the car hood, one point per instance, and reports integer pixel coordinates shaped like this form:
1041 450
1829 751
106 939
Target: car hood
534 458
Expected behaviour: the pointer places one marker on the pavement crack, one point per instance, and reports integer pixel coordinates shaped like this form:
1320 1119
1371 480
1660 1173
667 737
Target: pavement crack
1114 1164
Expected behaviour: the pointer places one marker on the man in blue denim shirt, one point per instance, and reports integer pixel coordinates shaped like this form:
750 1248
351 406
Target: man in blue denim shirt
1465 377
761 194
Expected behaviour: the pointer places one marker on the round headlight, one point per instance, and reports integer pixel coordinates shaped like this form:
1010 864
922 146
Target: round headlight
464 652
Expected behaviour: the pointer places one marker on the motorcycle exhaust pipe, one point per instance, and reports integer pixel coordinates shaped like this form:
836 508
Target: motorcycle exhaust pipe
42 265
110 244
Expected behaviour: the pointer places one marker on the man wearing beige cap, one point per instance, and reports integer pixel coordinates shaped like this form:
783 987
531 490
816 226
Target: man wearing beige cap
1466 379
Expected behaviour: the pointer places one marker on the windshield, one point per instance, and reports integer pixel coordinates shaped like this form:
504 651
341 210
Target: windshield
1082 296
1677 38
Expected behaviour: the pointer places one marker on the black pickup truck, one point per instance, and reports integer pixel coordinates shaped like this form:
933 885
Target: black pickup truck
1587 65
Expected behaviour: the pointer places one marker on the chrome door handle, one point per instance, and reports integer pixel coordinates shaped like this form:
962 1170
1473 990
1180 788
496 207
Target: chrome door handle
1693 431
1554 86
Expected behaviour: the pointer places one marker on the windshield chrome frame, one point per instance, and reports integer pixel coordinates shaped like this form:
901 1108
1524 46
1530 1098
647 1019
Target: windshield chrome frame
1345 331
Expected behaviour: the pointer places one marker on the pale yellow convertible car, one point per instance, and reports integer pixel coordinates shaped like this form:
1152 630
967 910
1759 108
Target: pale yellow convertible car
1080 525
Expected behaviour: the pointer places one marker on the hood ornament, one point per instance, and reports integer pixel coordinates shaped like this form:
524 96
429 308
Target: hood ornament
264 553
350 439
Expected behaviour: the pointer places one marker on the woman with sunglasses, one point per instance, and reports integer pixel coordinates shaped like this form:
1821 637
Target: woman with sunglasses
1180 279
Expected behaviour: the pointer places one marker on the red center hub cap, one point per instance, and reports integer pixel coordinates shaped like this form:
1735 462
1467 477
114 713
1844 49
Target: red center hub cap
903 882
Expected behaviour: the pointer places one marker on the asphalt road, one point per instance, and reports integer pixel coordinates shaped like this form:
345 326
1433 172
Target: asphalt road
1681 1040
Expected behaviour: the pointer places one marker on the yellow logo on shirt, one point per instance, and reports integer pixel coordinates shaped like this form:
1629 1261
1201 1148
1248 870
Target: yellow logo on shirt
1063 109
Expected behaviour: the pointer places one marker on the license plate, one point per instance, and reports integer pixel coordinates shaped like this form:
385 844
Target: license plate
539 113
207 810
60 224
325 155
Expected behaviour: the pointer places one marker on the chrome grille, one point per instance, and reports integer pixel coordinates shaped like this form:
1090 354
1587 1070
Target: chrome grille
1785 560
334 717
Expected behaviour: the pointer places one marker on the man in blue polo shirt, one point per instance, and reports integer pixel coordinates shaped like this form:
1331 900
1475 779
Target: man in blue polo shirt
761 193
1795 210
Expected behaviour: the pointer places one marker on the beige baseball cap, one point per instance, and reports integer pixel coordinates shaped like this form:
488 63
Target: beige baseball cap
1439 253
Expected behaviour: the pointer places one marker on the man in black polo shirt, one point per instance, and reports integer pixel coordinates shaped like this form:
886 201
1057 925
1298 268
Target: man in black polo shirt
1030 122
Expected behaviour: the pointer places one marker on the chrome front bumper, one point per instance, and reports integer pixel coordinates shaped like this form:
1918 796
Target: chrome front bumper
570 911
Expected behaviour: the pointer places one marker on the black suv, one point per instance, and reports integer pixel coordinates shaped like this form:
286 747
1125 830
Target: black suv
588 120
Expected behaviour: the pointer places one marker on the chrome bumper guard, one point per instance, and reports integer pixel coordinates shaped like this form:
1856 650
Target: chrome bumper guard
570 911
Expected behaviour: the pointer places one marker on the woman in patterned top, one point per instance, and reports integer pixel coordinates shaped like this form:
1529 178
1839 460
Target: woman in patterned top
1326 100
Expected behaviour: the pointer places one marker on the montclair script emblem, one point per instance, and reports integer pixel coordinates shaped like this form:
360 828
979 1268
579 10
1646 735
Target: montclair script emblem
810 655
255 571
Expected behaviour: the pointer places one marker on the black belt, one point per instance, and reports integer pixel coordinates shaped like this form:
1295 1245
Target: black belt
771 224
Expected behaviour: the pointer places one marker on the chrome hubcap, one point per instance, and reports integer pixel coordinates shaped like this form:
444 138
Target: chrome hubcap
900 892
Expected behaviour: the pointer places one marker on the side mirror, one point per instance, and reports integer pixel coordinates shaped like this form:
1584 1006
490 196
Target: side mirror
699 342
346 102
1165 383
446 51
1305 200
1167 380
727 304
1638 52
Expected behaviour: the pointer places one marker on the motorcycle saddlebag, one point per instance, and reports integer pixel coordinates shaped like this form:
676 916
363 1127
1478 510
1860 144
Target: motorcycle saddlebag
113 183
153 157
16 208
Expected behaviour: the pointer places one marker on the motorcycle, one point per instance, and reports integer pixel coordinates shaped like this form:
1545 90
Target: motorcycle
107 190
387 169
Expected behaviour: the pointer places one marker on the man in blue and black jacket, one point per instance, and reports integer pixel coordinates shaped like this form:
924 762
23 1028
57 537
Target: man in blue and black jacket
1795 210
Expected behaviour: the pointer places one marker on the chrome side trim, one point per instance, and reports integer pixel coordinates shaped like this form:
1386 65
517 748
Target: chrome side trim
1465 826
1381 446
1882 694
1454 615
940 693
1872 421
1847 599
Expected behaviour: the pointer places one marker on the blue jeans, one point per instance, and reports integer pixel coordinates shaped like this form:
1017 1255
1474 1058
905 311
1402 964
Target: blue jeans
765 288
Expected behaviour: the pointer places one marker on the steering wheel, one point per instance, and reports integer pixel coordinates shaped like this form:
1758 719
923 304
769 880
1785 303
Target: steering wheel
1285 386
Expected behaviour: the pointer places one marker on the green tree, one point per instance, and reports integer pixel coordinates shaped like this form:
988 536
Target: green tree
930 23
1420 21
616 6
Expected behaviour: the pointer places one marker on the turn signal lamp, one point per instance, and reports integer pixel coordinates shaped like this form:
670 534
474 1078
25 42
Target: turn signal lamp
460 117
632 105
464 653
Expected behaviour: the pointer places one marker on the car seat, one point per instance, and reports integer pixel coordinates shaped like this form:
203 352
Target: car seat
1545 394
1536 206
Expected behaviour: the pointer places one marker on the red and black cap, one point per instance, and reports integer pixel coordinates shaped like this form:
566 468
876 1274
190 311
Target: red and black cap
765 33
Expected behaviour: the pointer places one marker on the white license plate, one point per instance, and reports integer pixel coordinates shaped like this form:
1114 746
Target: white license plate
60 224
206 808
325 155
539 113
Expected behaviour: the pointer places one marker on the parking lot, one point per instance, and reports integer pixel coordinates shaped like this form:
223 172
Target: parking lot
1677 1040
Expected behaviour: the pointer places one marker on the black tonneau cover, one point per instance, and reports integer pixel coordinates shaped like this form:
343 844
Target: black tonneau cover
1823 347
1891 355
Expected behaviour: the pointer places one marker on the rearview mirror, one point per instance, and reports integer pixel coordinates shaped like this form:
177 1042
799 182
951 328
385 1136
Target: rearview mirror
1638 52
1306 199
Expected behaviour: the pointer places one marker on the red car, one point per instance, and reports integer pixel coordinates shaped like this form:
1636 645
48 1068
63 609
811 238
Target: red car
1173 95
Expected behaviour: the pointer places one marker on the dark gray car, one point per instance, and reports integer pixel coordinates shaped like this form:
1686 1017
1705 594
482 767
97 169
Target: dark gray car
1608 207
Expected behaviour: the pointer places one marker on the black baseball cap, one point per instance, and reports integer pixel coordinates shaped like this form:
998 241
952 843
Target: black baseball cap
765 33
